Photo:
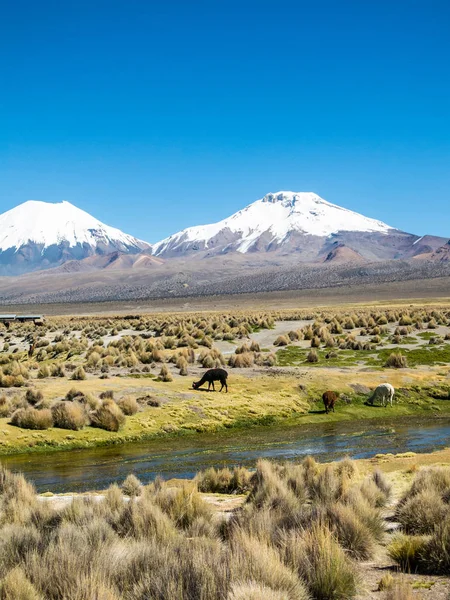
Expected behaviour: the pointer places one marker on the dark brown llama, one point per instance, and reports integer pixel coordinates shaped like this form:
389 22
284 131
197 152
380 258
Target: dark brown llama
211 376
329 400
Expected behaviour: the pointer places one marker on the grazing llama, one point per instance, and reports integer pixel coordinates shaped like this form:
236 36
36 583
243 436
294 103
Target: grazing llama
211 376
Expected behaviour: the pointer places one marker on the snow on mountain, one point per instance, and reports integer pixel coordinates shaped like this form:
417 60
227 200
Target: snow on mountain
39 235
273 219
47 224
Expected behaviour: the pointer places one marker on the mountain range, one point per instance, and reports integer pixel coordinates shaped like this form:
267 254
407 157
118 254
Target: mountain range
39 235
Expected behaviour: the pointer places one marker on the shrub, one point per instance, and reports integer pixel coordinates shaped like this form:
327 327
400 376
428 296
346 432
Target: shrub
5 407
57 370
407 550
322 563
69 415
254 560
33 396
183 505
224 481
16 586
31 418
282 340
132 486
128 405
396 360
182 364
108 416
351 532
422 512
165 374
242 361
43 372
312 357
79 374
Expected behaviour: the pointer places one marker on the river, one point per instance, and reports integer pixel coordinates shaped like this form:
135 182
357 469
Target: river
182 457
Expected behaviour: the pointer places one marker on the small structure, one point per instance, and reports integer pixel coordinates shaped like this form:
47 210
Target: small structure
8 319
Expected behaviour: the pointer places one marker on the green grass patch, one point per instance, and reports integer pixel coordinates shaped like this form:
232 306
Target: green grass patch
291 356
425 355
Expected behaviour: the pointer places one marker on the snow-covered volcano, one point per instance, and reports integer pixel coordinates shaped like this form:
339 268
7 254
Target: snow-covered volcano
272 222
36 235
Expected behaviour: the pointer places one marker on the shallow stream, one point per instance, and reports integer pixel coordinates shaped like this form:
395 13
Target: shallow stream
182 457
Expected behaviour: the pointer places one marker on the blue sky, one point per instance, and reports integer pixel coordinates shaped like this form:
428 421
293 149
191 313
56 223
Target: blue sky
154 116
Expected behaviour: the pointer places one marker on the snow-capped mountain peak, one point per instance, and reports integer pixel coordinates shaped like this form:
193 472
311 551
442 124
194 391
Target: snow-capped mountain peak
47 224
270 222
36 235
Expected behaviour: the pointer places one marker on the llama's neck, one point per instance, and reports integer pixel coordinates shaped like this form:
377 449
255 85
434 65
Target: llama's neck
202 380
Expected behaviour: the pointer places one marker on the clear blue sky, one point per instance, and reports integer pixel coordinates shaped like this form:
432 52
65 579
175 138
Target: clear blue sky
157 115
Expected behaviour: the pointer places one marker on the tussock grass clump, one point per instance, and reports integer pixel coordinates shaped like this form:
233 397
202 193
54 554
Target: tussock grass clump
293 539
132 486
224 481
108 416
351 532
396 360
386 582
322 563
31 418
165 374
16 586
6 407
312 357
69 415
407 551
79 374
255 560
128 405
33 396
244 360
282 340
183 505
421 513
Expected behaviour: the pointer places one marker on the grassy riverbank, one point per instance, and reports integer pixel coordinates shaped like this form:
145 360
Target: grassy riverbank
253 400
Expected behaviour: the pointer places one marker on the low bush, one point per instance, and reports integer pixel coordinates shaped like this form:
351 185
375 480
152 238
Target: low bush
407 551
396 360
282 340
165 374
128 405
33 396
5 407
108 416
79 374
69 415
322 563
224 481
422 512
132 486
31 418
312 357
